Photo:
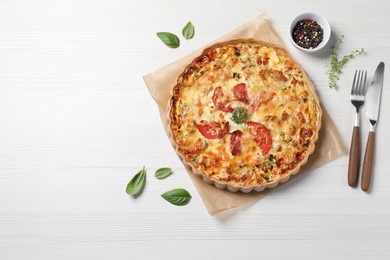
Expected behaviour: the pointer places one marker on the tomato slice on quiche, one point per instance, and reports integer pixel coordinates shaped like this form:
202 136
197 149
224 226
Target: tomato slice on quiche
220 100
213 130
260 135
235 142
241 93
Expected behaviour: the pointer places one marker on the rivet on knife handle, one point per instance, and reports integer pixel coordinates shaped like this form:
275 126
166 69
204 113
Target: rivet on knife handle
354 158
367 163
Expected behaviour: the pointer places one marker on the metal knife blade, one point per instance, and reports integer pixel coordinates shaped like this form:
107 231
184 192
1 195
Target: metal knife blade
374 96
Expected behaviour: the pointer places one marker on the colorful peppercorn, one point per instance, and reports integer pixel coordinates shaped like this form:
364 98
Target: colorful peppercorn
308 34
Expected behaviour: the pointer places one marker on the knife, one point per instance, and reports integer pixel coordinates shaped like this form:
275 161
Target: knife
372 112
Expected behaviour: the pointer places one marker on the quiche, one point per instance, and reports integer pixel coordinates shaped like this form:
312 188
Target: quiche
243 115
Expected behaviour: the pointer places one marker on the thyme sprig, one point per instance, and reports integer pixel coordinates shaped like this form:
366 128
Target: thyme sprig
334 66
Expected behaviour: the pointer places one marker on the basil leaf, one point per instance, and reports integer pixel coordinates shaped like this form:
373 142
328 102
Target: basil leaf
163 173
137 183
169 39
188 31
178 197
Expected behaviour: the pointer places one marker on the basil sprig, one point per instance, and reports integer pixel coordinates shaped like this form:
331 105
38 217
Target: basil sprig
163 173
169 39
188 31
137 183
178 197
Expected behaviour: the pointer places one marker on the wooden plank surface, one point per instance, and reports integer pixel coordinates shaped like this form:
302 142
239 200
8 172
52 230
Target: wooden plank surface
76 122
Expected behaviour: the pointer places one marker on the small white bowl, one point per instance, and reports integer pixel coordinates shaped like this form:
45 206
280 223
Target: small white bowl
320 20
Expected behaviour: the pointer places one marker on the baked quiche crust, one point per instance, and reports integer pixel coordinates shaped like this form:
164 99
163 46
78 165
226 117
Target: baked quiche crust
243 115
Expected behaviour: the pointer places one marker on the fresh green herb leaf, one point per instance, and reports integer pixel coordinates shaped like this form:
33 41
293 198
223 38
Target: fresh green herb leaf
188 31
178 197
334 66
169 39
239 115
137 183
163 173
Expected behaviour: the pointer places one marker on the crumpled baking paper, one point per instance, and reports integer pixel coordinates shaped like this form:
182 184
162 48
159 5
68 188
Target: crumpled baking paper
160 83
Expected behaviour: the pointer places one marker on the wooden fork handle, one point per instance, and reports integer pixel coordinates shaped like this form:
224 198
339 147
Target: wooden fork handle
354 158
367 163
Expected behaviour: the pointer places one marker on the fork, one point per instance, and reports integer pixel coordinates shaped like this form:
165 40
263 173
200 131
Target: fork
358 93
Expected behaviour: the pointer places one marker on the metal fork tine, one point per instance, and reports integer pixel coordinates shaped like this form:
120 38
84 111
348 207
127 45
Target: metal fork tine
353 84
364 83
360 83
357 83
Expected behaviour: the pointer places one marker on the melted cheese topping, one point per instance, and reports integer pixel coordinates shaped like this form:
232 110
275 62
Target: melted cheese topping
288 109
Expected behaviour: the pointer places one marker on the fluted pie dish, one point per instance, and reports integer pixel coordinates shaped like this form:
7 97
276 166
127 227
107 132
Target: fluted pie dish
244 116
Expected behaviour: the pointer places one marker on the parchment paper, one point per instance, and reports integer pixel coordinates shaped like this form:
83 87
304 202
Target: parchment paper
160 83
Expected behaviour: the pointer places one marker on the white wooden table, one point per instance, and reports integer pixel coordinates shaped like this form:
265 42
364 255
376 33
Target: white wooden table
76 122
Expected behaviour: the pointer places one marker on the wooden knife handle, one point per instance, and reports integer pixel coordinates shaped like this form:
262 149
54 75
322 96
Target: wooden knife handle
354 158
367 163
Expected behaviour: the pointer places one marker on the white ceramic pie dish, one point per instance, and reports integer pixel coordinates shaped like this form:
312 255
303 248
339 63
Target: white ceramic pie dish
246 189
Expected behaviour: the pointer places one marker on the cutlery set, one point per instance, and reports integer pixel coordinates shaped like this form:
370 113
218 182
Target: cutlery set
361 94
